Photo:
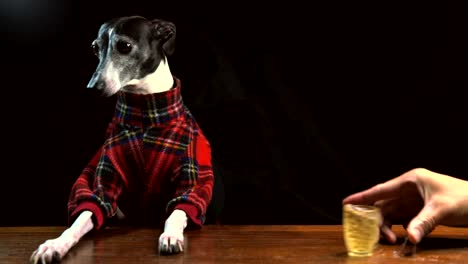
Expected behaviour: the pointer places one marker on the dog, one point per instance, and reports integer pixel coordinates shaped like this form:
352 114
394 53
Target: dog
155 164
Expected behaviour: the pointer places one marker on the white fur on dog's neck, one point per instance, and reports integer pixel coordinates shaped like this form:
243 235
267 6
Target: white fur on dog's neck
160 80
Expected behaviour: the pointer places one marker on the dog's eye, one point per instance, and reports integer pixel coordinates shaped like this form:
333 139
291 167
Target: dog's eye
124 47
95 48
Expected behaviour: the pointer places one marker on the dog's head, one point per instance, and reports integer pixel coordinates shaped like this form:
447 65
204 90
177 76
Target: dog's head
129 48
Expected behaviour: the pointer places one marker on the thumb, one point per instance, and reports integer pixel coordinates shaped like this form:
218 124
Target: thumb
423 223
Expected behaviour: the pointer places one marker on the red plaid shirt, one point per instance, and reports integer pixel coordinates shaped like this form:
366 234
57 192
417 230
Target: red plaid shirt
155 159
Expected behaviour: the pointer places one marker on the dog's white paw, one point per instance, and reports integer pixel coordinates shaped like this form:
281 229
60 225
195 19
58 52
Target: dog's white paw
51 250
171 242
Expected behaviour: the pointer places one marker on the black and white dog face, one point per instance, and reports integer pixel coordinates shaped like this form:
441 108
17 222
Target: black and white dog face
129 49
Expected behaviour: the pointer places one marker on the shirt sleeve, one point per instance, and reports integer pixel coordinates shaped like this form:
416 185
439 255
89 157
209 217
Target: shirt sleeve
88 194
194 182
81 195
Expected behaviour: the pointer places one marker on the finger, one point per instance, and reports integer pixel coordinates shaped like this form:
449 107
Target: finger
175 245
48 255
51 254
163 246
42 249
173 240
382 191
39 252
36 258
160 243
44 259
31 258
388 234
173 249
169 248
423 223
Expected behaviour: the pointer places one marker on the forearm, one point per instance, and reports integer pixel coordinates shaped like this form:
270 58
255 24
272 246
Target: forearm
176 222
194 198
97 192
82 225
55 249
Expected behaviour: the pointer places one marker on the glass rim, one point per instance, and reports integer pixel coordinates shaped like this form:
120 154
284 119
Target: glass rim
362 207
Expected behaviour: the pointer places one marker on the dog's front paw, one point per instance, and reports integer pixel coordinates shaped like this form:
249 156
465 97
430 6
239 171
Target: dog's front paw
50 251
171 243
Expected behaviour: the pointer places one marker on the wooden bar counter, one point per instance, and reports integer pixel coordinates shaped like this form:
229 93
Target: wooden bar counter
233 244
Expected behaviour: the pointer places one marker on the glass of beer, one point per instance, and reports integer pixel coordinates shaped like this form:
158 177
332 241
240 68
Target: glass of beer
361 227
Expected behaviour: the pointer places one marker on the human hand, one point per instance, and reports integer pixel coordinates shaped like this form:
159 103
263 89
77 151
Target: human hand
418 199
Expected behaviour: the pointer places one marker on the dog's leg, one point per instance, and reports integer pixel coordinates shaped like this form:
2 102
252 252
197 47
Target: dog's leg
171 241
55 249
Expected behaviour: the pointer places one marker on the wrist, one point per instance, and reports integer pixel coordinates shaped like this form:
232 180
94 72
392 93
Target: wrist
177 220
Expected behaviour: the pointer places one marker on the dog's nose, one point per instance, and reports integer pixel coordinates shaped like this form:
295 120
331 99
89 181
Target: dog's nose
95 83
95 86
92 91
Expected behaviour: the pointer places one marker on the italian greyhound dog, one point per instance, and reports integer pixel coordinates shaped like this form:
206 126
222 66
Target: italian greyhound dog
155 164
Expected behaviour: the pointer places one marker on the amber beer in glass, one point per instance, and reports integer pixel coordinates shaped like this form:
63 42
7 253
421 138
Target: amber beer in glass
361 227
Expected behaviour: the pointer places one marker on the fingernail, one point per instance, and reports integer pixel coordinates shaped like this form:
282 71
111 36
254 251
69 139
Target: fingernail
415 235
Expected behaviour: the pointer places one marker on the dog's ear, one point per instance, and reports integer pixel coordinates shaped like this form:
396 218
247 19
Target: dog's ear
166 32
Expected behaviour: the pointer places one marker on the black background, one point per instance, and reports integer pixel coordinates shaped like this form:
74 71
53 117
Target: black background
303 103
